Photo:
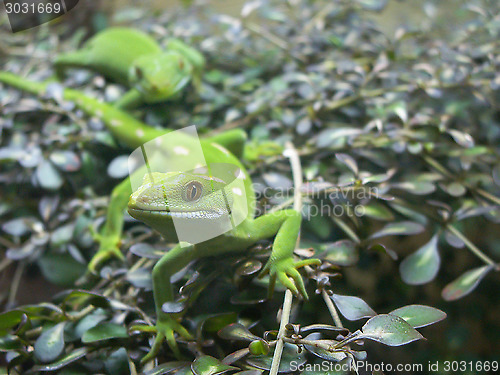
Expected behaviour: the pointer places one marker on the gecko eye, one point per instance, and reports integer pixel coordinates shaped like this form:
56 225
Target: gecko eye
193 191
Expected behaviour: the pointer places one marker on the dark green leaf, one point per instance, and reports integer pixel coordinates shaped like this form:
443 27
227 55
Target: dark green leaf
168 368
342 253
349 162
104 331
403 228
419 315
61 269
329 355
48 176
50 343
378 211
207 365
237 331
9 343
423 265
353 308
9 320
389 330
75 355
290 359
465 283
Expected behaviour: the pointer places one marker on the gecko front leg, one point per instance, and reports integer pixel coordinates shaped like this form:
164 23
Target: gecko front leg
167 324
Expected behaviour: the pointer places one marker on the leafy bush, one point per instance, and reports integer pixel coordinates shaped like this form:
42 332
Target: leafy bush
398 139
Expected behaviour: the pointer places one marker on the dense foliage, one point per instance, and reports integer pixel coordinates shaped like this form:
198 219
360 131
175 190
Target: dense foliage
398 137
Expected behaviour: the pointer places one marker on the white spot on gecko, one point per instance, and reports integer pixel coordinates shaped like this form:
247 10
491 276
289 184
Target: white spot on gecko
181 150
201 169
239 174
116 123
237 191
140 133
222 149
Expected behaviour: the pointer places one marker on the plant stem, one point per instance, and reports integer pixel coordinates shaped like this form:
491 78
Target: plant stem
332 309
471 246
291 153
285 316
346 229
16 280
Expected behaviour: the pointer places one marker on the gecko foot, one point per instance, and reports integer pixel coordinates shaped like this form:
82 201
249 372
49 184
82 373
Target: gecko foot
165 329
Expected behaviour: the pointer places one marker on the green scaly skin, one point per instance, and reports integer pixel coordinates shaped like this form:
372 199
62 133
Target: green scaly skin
149 204
134 59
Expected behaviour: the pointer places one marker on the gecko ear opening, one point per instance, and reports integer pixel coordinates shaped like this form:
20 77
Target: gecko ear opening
138 73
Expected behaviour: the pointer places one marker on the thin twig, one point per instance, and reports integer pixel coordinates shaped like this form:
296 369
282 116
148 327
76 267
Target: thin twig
14 286
332 309
473 248
291 153
285 317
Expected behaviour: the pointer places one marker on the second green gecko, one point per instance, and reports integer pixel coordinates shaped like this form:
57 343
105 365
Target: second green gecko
133 58
162 197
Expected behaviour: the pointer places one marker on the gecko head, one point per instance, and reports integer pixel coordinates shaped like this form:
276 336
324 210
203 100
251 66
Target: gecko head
160 76
181 197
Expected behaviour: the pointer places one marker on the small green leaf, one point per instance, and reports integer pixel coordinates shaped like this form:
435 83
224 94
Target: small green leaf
9 343
416 187
85 296
249 267
419 315
465 283
290 359
403 228
104 331
463 139
389 330
378 211
349 162
237 331
61 269
169 367
258 347
145 250
50 343
8 320
140 278
335 137
118 168
88 322
117 362
216 322
342 253
423 265
335 356
64 361
66 160
207 365
48 176
353 308
324 327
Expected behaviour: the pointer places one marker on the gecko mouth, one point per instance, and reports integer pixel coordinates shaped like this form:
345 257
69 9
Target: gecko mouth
138 213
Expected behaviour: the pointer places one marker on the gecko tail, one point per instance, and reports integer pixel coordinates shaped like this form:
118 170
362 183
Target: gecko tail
76 59
23 84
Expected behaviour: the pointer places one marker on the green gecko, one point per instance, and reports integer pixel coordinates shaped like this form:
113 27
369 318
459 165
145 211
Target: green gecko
164 196
134 59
